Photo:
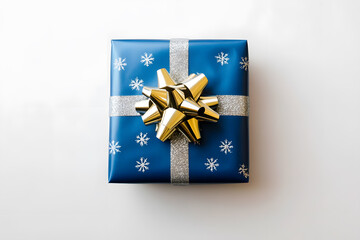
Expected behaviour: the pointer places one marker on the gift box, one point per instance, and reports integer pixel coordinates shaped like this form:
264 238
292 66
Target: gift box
203 85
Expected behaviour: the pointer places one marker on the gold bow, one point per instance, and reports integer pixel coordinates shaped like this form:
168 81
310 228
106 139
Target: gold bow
178 106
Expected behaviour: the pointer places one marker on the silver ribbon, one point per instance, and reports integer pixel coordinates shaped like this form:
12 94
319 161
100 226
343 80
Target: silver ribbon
229 105
124 105
179 146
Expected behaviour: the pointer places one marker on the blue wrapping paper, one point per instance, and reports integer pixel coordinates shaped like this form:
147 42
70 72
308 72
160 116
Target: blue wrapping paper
134 64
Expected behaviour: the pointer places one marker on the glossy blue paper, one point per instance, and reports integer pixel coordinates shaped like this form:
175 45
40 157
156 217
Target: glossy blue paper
226 79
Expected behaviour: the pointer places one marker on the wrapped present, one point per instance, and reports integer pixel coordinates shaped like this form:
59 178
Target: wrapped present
179 111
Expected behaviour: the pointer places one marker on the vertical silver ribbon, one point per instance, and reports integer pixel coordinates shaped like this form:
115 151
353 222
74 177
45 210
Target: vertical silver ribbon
179 146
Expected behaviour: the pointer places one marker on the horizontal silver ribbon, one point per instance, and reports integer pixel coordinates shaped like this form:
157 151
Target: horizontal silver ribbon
233 105
124 105
229 105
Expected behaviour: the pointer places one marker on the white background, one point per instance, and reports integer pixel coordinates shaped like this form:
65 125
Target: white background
304 127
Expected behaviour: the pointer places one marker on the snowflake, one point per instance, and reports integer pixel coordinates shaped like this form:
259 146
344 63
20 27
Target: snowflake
222 58
136 84
211 164
142 165
120 63
142 139
243 171
114 147
147 60
226 146
244 63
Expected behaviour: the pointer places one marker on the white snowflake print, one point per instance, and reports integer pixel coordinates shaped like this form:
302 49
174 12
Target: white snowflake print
119 64
226 146
142 139
222 58
136 84
211 164
244 64
243 171
142 165
147 59
114 147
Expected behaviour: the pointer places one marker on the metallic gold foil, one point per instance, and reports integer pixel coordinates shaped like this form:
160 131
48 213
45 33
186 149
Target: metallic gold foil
208 114
151 116
164 78
196 85
178 106
176 96
158 96
211 101
190 107
143 106
190 129
170 119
